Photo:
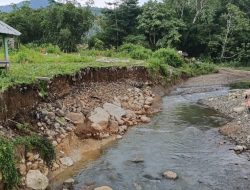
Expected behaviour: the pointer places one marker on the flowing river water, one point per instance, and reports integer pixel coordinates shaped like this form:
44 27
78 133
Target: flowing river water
182 138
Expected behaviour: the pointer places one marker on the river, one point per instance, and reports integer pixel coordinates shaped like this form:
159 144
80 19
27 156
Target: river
183 138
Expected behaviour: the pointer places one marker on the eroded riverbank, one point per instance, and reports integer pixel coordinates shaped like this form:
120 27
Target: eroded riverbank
183 138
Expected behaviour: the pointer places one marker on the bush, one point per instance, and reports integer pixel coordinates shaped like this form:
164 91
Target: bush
25 55
95 43
198 68
169 56
7 164
50 48
136 51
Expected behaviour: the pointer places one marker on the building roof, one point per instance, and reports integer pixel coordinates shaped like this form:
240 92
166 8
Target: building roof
8 30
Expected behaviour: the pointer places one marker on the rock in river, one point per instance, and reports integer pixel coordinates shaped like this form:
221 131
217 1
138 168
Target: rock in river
36 180
239 148
103 188
170 175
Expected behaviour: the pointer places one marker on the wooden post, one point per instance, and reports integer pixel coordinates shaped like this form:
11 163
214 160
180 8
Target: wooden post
6 51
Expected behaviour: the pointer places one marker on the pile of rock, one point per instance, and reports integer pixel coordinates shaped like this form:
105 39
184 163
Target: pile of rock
233 106
57 120
34 171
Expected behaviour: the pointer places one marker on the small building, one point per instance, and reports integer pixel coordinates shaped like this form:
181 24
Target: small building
6 32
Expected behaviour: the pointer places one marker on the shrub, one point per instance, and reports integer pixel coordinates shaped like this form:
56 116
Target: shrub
198 68
136 51
50 48
156 66
25 55
169 56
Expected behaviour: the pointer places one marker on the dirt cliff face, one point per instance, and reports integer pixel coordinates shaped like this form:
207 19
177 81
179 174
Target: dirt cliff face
19 100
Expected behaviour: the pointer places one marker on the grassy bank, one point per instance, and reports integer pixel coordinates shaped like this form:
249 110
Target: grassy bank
31 62
28 63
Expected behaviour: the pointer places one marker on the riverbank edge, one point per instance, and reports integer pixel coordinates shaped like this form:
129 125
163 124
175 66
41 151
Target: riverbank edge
19 101
233 106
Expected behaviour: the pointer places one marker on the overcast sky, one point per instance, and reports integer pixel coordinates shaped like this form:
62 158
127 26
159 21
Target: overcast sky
99 3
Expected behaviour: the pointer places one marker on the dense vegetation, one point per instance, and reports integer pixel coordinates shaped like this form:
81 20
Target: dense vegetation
218 30
64 38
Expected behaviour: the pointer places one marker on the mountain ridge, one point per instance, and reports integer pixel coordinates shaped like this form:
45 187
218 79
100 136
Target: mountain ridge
36 4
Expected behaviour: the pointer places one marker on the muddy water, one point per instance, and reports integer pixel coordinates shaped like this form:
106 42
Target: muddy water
183 138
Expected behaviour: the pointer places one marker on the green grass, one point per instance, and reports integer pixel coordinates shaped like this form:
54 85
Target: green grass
28 64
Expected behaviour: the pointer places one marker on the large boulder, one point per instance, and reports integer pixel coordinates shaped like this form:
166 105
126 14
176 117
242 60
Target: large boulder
36 180
76 118
114 110
99 119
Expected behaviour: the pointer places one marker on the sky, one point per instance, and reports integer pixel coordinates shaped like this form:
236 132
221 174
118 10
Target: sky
98 3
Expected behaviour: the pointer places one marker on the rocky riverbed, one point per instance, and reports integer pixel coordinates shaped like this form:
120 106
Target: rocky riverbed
233 106
87 118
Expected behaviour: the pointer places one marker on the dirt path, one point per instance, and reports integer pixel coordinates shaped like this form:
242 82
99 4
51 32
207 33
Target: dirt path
224 77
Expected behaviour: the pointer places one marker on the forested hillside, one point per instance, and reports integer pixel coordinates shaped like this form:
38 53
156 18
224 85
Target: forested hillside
217 29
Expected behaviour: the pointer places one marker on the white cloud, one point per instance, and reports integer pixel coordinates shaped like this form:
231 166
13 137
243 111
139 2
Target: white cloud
7 2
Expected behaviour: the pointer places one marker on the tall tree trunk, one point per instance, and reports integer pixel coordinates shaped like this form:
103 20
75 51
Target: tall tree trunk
225 41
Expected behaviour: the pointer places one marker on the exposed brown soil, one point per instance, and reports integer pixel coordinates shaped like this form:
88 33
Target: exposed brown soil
21 99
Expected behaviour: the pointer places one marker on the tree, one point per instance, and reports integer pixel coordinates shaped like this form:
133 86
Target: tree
65 25
234 35
27 21
160 24
119 21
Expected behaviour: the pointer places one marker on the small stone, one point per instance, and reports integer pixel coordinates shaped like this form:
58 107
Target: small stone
118 137
149 100
239 110
239 148
58 140
67 161
57 125
104 136
54 143
103 188
36 156
122 128
145 119
30 156
39 124
69 129
170 175
55 166
69 181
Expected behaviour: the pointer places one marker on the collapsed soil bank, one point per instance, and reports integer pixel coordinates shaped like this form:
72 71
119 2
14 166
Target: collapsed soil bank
19 100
